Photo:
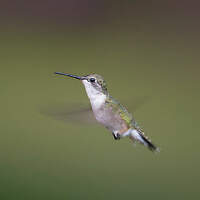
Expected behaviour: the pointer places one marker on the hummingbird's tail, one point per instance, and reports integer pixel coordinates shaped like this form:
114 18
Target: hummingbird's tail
140 137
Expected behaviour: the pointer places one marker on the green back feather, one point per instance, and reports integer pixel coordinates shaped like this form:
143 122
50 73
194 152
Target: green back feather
121 110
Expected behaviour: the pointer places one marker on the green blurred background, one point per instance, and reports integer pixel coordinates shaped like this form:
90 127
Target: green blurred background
145 50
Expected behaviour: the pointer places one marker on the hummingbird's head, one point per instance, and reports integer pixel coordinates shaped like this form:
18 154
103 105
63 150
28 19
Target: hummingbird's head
94 83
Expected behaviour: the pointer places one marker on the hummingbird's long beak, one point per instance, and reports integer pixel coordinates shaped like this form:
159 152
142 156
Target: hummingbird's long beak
70 75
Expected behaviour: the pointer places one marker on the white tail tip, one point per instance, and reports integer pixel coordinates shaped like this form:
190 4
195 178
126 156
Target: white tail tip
144 140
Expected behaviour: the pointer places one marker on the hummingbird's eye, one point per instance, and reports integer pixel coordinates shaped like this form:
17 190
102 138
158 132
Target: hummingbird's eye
92 80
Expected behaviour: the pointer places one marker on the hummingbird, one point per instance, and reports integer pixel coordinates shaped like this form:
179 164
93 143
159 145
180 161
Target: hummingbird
111 113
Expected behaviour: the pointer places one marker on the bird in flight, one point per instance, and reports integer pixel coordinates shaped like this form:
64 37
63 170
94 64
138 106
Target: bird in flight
109 112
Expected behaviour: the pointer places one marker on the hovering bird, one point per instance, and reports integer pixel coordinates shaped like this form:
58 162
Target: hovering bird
109 112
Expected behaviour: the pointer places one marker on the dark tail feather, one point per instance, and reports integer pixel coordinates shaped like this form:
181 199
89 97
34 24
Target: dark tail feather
150 145
139 136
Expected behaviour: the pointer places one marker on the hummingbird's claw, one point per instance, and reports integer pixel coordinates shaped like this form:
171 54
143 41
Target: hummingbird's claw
116 136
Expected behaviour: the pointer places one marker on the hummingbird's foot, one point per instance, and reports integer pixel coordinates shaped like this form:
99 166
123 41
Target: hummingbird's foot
116 135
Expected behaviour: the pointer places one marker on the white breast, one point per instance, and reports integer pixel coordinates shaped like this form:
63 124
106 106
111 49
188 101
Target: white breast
96 97
102 114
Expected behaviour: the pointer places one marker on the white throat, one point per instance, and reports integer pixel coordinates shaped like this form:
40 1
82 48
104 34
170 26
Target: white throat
96 97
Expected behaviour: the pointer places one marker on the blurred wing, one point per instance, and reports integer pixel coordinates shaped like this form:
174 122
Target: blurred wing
80 113
73 113
136 103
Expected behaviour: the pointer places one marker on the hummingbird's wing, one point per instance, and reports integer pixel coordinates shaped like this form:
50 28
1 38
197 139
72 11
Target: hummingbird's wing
73 113
82 113
136 103
131 107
